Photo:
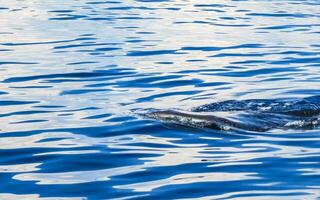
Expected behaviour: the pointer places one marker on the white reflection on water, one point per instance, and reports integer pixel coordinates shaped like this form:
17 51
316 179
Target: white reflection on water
313 193
19 168
9 196
187 179
55 140
76 177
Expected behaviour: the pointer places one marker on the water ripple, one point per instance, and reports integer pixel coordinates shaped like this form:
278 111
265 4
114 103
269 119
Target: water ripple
75 73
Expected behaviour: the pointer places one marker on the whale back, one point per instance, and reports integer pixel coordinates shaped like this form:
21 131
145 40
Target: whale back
252 115
299 107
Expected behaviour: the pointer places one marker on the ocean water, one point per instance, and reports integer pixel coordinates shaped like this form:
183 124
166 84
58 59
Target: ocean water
74 74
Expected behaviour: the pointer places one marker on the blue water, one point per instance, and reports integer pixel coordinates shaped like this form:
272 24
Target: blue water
74 73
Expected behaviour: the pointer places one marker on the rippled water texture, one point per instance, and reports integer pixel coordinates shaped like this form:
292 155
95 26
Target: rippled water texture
74 73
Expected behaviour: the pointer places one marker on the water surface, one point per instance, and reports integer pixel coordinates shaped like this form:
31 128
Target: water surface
73 74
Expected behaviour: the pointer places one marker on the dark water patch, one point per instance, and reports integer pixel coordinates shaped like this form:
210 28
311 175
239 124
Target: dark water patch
281 27
65 114
300 53
83 63
257 72
127 27
213 10
98 116
31 87
151 1
239 55
135 41
17 63
103 2
159 82
68 17
196 60
178 83
249 62
211 84
154 97
213 24
146 81
165 63
228 18
13 102
213 5
202 71
30 112
304 91
2 93
294 15
174 9
29 121
82 91
6 33
61 11
48 106
107 49
208 48
297 61
145 33
97 73
277 79
150 53
130 8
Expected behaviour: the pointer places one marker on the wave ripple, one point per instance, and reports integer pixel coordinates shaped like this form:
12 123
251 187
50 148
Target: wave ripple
74 73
